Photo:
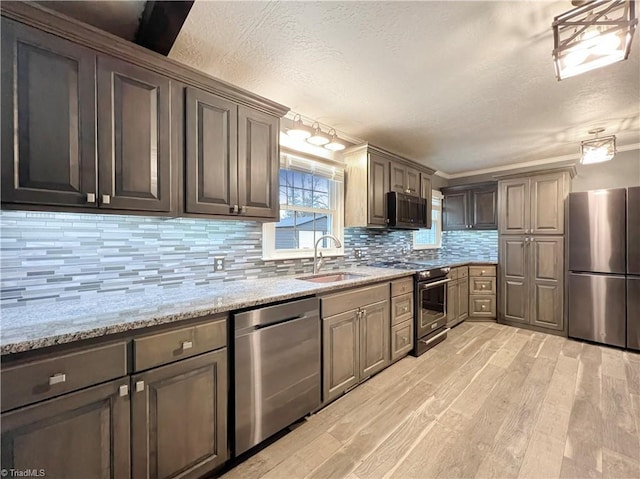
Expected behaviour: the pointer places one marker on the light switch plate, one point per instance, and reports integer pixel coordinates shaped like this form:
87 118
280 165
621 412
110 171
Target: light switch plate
218 263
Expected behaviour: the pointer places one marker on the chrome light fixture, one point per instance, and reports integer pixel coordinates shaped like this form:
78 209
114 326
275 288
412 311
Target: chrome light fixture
595 34
299 131
598 149
334 144
318 138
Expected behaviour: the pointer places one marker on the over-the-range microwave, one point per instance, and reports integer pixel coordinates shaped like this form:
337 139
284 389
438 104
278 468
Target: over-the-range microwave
406 211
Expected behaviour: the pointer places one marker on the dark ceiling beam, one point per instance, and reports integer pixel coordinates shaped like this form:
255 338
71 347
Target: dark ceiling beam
160 24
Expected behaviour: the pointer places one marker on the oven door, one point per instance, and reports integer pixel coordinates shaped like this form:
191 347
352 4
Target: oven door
432 307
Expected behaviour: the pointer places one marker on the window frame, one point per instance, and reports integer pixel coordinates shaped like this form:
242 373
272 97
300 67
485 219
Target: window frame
435 223
336 198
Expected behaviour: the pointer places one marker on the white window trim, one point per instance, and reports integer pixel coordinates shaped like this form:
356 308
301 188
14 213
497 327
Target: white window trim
269 251
436 195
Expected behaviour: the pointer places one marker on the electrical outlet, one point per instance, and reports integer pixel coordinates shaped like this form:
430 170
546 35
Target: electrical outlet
357 252
218 263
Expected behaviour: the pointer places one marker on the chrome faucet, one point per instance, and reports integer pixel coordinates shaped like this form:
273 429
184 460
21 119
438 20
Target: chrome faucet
319 263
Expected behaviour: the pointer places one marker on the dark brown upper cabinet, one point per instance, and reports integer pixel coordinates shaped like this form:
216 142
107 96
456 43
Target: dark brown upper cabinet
103 124
48 119
232 158
134 144
470 207
404 179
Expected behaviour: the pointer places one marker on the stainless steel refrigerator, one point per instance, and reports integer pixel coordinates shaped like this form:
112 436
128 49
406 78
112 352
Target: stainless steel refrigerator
604 266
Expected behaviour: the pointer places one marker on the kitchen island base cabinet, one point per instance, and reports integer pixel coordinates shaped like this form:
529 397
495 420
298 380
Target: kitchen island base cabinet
84 434
179 418
356 329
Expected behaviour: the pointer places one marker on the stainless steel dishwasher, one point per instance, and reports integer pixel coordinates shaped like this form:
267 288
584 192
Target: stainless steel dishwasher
277 369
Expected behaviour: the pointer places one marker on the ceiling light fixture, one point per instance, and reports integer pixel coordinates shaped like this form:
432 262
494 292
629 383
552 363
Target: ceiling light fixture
334 144
318 138
299 131
593 35
598 149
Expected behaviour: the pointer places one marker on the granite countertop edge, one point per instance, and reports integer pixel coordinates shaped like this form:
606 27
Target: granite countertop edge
210 304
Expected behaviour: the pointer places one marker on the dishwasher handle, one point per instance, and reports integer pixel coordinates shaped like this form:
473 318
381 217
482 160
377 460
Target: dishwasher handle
260 318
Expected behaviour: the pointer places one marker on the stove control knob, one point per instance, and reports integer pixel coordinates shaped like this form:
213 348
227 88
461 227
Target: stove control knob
425 274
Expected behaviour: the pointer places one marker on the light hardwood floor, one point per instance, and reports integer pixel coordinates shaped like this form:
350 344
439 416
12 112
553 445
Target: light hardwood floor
490 401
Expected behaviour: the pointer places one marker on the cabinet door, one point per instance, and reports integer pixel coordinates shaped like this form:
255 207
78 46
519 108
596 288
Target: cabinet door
48 119
378 189
179 418
426 193
258 164
134 144
455 211
463 299
413 182
547 281
211 153
375 329
484 208
514 206
514 291
78 435
452 303
398 173
547 204
340 353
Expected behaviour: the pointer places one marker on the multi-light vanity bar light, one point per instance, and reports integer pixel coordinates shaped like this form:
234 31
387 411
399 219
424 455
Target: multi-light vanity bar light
314 135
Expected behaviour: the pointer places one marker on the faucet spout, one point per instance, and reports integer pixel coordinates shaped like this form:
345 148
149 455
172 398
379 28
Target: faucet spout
317 265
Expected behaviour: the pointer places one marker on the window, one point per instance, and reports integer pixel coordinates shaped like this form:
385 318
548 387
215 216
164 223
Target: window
432 238
311 204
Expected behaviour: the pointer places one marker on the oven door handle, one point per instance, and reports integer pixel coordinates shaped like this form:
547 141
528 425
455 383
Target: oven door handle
431 285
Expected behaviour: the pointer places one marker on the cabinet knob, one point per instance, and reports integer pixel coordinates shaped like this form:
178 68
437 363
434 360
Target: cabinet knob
483 286
526 231
243 210
483 272
234 209
484 306
123 390
187 345
57 378
106 199
139 386
91 197
405 309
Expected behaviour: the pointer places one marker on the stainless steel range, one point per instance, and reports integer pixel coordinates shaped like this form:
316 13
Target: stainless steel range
430 296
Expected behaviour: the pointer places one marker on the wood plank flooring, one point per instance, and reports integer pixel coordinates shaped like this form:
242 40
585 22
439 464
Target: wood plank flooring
492 401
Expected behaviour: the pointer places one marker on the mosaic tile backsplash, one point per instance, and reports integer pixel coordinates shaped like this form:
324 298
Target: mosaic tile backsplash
59 256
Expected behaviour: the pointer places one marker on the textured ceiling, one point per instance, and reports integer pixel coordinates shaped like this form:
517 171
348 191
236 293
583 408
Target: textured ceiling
459 86
114 16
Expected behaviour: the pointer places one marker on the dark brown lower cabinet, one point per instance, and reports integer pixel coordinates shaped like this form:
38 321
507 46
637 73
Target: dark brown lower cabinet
179 418
79 435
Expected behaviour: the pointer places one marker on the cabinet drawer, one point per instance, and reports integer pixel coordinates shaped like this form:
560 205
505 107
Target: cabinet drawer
401 339
45 378
170 346
482 306
402 308
352 299
482 270
402 286
482 285
463 272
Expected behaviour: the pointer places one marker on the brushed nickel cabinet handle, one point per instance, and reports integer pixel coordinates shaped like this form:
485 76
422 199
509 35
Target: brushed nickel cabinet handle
91 197
123 390
106 199
243 210
235 209
187 345
57 378
139 386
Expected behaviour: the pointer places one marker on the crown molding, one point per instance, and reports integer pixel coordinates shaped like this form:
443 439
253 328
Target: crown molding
526 164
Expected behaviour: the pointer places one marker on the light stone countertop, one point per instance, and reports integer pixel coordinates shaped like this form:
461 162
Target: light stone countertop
47 324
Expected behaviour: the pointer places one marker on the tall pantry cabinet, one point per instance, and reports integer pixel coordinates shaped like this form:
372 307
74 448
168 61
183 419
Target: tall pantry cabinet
531 225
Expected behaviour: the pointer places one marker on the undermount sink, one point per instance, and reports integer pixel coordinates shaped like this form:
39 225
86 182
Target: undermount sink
331 277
